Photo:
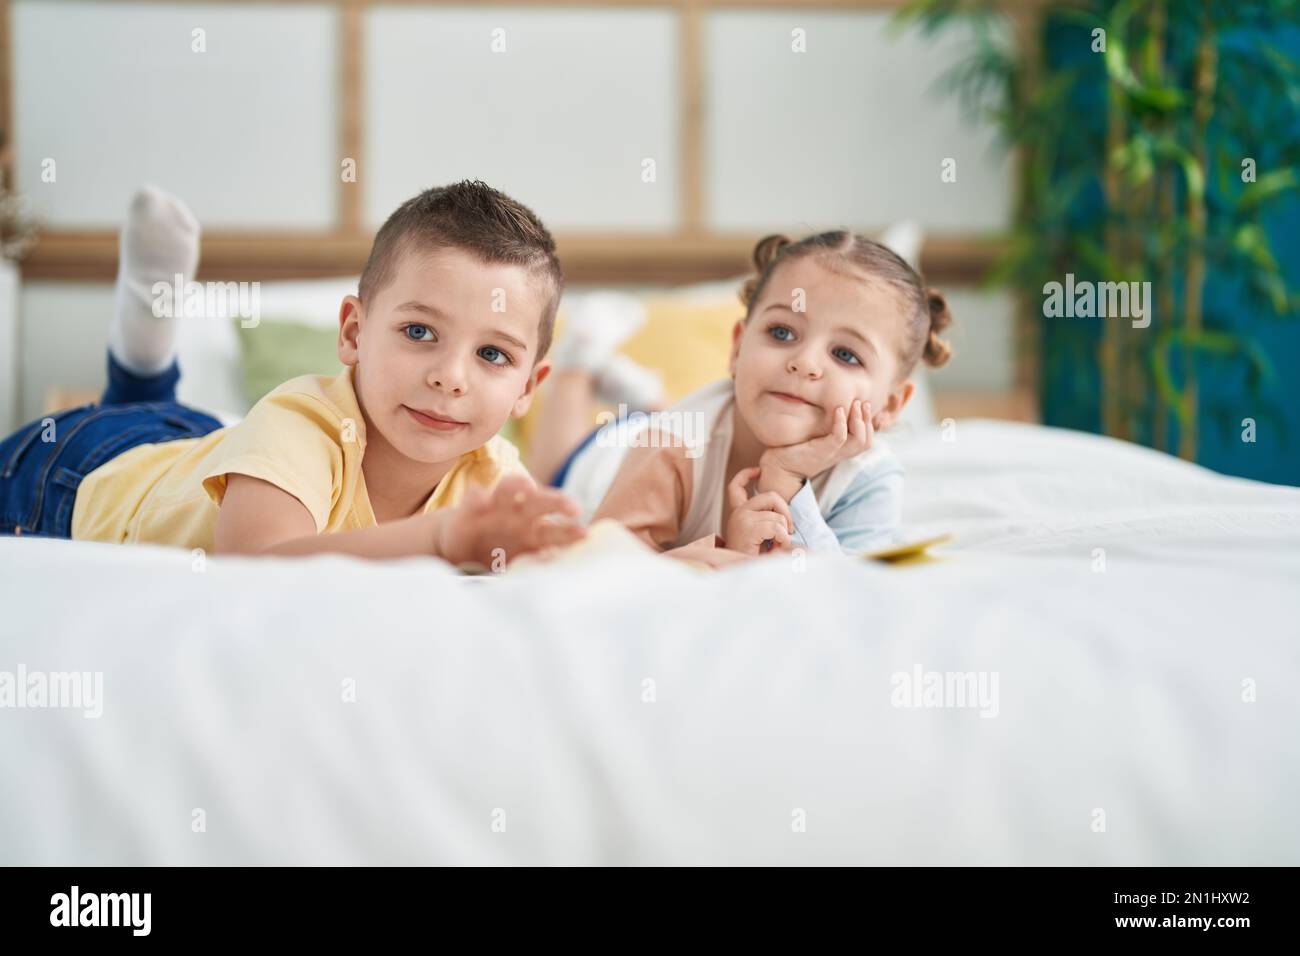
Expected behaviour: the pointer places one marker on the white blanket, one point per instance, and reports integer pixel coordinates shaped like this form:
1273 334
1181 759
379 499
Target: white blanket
1139 613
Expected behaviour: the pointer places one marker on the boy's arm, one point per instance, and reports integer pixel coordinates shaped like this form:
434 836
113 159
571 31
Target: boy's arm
257 517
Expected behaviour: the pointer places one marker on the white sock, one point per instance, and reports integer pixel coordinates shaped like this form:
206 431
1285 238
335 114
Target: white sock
623 381
594 328
159 240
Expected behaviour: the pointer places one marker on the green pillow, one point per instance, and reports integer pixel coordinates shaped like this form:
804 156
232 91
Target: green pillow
276 350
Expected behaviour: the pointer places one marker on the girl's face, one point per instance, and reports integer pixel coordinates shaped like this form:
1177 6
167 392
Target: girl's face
816 339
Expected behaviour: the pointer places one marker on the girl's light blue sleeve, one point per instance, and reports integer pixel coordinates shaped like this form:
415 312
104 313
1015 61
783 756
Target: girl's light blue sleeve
865 517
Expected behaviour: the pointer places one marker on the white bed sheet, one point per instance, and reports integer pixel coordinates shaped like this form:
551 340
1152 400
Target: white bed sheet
520 699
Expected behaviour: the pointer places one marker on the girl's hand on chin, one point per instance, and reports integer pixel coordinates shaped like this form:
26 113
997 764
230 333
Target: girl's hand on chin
785 467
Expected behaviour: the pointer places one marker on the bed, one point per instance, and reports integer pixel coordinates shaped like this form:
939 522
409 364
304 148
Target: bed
615 707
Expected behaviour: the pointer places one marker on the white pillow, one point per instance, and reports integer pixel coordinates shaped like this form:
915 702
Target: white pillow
919 412
208 349
906 239
211 380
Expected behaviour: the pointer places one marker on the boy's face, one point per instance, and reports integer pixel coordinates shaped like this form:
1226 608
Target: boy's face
445 352
792 368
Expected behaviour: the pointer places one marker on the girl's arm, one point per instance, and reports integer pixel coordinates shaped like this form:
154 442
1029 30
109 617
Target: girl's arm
869 511
650 496
866 516
650 493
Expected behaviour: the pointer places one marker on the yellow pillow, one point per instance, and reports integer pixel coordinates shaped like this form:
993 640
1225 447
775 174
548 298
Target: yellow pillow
688 345
687 341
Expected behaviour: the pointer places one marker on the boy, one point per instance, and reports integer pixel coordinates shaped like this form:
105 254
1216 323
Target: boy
396 455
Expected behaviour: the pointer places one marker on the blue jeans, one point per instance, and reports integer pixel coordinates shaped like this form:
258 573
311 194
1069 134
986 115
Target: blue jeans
43 463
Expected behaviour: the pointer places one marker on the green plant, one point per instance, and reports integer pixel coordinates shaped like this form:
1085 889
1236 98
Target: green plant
1192 143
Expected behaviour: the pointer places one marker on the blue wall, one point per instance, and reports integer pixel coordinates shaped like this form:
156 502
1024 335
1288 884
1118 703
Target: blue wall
1071 379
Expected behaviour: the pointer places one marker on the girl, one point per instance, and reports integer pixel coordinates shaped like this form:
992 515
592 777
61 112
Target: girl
783 454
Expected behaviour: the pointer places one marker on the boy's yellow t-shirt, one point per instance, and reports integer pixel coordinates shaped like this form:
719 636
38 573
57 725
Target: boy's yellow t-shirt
307 437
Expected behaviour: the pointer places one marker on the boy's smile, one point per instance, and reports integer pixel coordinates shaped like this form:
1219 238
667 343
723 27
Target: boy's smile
431 419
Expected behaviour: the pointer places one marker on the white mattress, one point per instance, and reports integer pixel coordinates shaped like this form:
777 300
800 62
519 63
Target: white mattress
505 720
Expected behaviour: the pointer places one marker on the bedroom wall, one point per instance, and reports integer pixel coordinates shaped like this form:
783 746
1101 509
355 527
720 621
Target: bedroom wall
852 131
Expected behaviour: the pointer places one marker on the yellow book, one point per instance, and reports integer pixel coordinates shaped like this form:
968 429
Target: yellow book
906 551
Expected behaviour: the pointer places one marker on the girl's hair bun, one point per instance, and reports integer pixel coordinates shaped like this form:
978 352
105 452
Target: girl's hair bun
767 249
937 351
765 254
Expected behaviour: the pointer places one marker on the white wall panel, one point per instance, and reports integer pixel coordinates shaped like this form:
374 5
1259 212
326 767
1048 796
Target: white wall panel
851 132
115 94
561 119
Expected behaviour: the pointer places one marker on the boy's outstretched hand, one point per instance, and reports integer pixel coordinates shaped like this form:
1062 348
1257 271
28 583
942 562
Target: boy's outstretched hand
514 518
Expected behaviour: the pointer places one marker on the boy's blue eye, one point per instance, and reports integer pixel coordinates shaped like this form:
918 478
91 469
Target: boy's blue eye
844 355
491 353
425 328
779 332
